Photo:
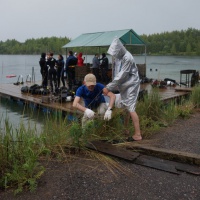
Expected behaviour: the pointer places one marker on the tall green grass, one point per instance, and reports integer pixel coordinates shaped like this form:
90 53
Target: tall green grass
195 96
19 155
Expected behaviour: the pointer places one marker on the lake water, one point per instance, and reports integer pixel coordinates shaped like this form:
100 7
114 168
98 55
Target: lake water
158 67
162 66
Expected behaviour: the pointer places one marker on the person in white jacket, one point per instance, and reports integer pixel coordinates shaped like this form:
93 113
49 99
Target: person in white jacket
127 82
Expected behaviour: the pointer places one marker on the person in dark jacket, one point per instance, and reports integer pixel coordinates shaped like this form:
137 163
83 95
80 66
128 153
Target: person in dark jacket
43 69
60 70
71 62
104 68
95 66
52 73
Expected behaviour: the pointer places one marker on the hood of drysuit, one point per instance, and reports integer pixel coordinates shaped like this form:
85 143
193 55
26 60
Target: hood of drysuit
117 49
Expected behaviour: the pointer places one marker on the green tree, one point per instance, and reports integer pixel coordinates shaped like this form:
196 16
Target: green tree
173 49
188 48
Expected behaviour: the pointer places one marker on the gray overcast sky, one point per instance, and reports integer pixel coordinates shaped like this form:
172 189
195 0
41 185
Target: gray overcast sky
26 19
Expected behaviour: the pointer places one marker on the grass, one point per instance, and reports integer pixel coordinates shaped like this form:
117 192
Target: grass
22 148
19 158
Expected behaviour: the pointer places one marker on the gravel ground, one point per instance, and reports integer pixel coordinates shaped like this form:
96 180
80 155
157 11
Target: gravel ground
184 136
89 178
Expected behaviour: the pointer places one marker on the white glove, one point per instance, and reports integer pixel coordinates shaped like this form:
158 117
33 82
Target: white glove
89 113
108 114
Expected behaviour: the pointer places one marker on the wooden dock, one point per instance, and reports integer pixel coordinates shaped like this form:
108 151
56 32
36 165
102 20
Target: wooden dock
170 92
12 91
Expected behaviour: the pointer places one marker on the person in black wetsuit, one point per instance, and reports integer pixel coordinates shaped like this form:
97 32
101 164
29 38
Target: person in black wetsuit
60 70
43 69
52 72
104 68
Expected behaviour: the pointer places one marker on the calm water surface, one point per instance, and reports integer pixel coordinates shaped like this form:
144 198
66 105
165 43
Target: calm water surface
158 67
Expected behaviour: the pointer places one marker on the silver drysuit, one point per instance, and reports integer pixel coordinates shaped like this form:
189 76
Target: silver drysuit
127 80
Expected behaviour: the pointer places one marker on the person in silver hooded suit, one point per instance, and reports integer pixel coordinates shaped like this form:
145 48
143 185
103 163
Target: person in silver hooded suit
127 82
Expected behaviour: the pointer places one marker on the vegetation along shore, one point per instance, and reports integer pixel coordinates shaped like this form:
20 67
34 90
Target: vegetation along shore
24 151
185 42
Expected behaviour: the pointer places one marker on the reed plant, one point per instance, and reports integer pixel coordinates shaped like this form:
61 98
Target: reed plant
170 113
195 96
185 108
151 106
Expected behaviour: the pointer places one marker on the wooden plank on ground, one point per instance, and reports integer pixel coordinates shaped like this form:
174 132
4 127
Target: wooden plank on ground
179 156
113 150
149 161
183 167
191 169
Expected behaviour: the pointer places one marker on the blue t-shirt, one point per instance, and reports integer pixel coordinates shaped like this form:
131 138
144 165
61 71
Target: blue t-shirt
92 99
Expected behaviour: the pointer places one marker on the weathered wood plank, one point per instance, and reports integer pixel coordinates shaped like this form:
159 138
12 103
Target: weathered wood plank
184 157
113 150
151 162
183 167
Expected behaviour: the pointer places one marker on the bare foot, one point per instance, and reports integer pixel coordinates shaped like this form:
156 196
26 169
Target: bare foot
137 137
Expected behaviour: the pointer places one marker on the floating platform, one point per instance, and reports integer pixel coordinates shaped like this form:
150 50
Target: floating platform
12 91
168 93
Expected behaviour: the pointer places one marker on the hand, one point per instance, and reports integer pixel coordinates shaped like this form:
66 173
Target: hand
108 114
89 113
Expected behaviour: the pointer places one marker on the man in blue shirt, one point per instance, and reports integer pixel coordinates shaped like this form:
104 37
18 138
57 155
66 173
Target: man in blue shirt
93 96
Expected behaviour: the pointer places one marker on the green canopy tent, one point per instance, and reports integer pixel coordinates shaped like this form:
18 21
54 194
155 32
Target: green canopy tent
103 39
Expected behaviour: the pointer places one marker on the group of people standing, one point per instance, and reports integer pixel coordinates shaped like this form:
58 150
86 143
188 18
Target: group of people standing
52 70
55 71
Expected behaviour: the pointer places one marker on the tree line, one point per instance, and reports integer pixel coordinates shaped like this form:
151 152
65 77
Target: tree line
184 42
34 46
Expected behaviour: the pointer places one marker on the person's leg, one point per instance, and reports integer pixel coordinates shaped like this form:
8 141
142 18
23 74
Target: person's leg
62 78
70 78
73 76
50 79
55 79
137 135
85 120
102 109
58 78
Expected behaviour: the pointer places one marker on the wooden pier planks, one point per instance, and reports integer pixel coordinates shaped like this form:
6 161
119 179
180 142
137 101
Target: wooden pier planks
168 93
113 150
11 90
14 91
